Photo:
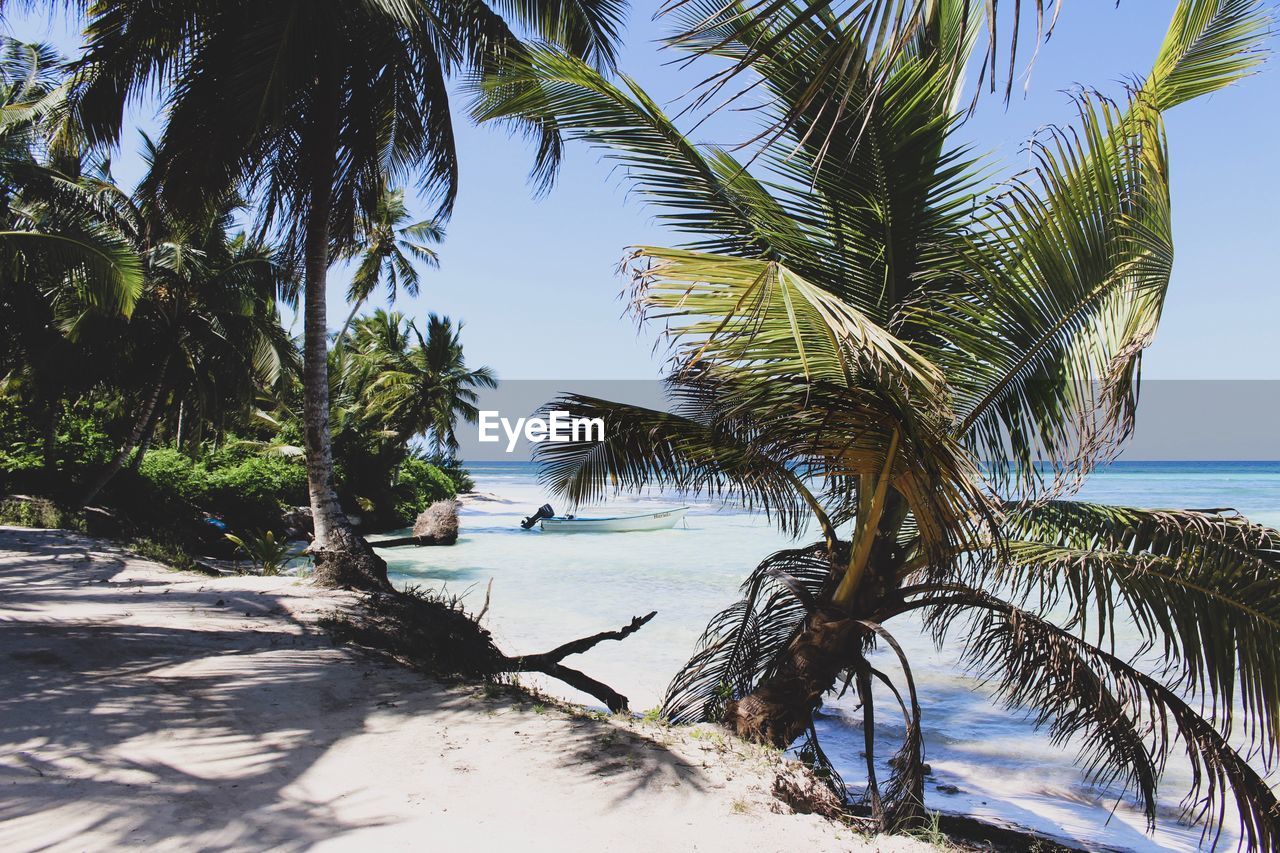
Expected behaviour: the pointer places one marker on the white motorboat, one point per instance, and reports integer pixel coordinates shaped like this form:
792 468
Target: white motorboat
661 520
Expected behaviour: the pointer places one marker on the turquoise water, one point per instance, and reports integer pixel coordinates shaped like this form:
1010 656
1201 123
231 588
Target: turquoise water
547 588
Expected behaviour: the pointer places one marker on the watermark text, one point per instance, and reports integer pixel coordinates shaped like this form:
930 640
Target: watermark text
558 426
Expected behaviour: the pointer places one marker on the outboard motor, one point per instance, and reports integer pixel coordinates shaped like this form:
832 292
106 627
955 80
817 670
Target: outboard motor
544 511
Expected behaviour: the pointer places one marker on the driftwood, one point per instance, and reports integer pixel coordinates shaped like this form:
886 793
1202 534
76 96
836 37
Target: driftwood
549 663
435 635
401 541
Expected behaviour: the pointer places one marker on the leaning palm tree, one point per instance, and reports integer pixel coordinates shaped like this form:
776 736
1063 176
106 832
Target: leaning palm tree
387 245
860 331
314 109
417 385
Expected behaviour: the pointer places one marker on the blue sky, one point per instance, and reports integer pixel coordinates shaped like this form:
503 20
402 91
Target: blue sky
534 279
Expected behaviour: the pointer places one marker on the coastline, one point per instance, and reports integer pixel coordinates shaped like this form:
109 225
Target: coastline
146 706
989 763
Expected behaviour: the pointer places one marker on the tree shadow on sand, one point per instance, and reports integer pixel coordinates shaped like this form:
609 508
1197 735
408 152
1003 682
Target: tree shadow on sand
137 728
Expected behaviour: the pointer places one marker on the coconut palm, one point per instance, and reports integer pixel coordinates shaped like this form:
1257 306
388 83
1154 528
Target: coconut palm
417 385
64 269
206 328
857 322
387 246
314 109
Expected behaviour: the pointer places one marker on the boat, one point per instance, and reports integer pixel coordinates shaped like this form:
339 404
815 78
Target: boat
661 520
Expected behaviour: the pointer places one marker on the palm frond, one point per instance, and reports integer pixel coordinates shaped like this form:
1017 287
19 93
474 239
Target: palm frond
742 643
698 453
1202 589
1068 273
702 192
1126 723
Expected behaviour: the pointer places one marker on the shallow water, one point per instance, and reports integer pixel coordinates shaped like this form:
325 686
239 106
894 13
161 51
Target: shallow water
548 588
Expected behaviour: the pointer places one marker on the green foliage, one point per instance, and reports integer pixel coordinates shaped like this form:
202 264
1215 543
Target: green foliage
459 475
268 555
243 490
173 476
38 512
256 489
19 439
419 484
165 548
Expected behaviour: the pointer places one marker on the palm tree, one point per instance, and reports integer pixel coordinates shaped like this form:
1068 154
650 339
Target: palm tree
314 108
64 269
206 328
856 331
417 390
387 245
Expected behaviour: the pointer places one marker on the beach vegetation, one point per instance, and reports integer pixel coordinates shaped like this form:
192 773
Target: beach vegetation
268 555
893 345
314 112
162 385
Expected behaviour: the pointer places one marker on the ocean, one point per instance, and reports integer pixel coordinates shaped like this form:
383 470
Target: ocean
549 588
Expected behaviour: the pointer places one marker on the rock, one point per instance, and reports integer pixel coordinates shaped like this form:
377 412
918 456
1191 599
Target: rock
805 793
438 524
298 523
944 788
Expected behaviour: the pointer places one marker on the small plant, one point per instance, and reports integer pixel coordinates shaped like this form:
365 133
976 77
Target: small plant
931 832
269 557
741 807
164 549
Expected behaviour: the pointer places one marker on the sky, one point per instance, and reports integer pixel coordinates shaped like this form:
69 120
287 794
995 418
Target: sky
534 279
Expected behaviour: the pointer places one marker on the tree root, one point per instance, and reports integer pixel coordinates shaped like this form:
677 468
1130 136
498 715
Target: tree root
549 663
434 634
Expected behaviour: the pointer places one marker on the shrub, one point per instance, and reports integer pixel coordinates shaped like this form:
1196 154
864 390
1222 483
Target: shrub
38 512
267 555
418 485
462 481
172 475
253 492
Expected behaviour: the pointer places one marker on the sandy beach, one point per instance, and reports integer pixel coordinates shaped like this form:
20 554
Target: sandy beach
147 707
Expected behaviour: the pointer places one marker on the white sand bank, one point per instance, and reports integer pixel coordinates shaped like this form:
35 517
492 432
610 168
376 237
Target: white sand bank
144 707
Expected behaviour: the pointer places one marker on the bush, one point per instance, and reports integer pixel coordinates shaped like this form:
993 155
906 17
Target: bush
38 512
253 492
172 475
19 439
462 481
418 485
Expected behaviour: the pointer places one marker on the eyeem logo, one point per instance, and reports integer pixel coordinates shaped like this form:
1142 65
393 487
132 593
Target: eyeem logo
559 427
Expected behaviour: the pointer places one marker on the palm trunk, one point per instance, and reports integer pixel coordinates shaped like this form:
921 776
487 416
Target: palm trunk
342 335
342 557
145 443
781 707
135 436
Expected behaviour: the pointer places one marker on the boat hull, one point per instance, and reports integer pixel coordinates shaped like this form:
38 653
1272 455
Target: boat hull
664 520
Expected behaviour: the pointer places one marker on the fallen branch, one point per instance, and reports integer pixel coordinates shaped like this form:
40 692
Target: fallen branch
432 633
549 663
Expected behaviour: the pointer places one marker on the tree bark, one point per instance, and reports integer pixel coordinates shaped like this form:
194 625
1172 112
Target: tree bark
145 443
781 708
346 326
135 436
342 557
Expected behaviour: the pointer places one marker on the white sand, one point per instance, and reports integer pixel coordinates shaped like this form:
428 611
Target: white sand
145 707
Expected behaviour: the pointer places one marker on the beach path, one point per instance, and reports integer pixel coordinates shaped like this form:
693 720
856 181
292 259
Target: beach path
145 707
